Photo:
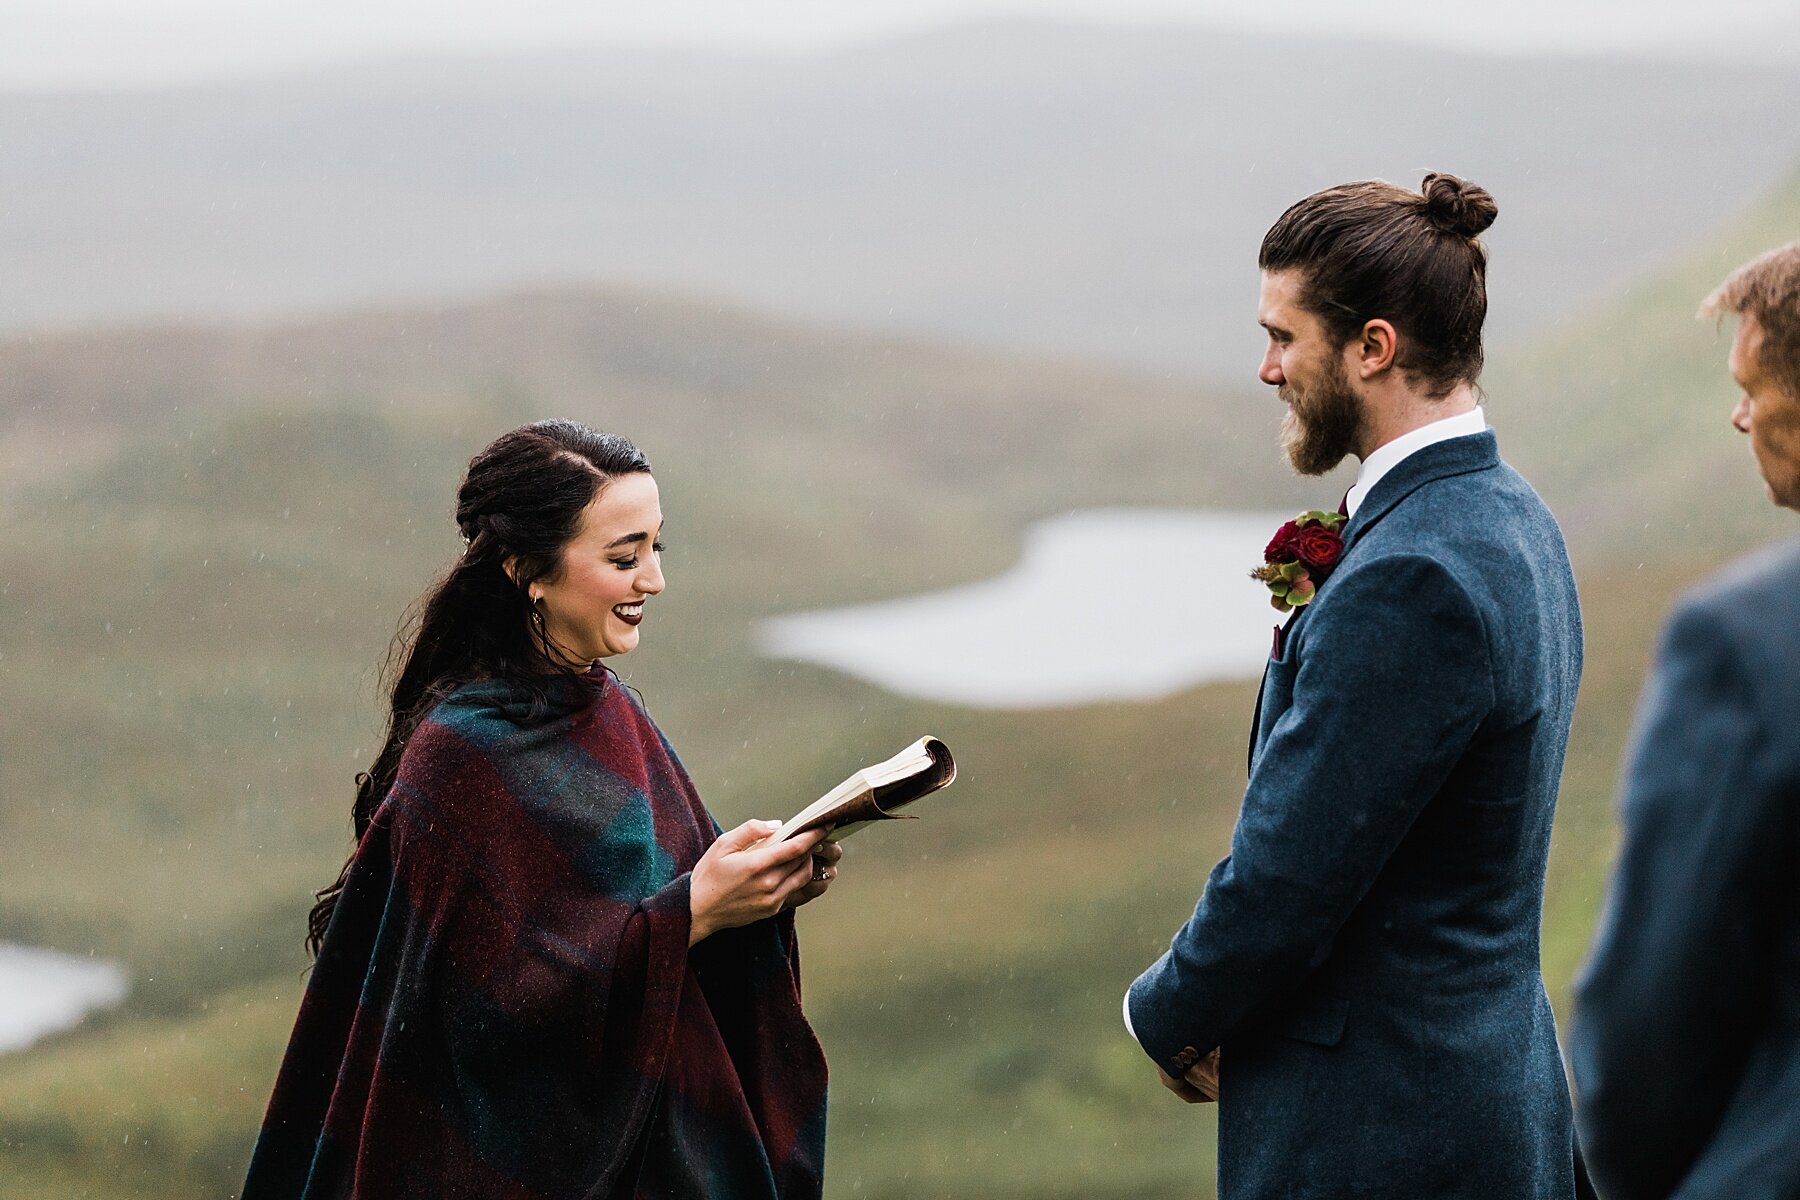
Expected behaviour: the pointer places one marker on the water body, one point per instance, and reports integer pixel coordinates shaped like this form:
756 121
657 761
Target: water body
44 992
1104 604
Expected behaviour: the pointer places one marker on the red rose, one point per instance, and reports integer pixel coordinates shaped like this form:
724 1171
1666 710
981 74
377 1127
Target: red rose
1318 546
1284 546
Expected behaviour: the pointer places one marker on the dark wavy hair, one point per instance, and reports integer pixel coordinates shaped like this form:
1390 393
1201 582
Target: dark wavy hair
1374 250
519 505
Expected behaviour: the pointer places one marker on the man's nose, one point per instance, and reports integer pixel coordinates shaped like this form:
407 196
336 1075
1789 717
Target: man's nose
1270 371
1740 415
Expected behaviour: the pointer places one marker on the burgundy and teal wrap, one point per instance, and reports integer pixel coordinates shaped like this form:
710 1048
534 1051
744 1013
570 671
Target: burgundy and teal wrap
506 1006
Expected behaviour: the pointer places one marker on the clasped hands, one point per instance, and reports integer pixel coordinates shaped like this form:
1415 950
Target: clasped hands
749 874
1199 1084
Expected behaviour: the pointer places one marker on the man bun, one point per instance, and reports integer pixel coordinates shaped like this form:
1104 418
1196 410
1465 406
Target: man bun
1456 205
1374 250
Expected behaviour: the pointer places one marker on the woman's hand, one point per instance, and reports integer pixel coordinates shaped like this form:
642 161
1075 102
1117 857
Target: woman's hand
747 875
824 869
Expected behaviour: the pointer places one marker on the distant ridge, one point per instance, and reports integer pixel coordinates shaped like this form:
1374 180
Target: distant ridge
752 405
1042 187
207 534
1617 415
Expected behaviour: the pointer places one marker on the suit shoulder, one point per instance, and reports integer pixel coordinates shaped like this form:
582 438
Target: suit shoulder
1479 521
1511 505
1753 601
1488 495
1766 579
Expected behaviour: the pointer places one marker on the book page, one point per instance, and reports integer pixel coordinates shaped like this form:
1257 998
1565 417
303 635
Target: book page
873 793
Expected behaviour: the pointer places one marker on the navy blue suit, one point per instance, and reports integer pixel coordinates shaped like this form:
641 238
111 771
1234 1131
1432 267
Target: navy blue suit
1367 956
1686 1045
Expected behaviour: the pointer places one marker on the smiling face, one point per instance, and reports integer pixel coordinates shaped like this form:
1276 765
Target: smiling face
1766 413
594 601
1325 415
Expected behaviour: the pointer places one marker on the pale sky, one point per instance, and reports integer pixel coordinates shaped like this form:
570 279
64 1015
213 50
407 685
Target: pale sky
112 43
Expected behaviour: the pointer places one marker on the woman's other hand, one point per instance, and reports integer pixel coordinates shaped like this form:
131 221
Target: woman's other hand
824 869
747 875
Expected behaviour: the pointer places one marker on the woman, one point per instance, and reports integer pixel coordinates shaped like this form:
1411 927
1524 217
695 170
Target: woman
543 972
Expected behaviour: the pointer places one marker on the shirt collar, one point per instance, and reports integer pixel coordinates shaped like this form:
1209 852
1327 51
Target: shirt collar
1390 455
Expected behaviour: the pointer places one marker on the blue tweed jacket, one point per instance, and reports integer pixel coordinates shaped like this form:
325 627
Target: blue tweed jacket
1686 1044
1367 956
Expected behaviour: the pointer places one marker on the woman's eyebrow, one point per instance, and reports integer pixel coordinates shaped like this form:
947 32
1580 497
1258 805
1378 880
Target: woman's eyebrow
630 538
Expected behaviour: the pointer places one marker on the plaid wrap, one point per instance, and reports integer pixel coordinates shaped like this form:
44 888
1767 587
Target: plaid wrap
505 1005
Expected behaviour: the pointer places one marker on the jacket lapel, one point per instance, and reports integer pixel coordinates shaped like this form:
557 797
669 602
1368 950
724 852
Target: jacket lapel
1440 460
1256 723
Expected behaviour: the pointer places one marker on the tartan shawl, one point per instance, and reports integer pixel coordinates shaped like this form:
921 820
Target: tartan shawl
505 1005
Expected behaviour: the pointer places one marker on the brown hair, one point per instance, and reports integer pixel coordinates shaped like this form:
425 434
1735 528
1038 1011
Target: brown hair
1374 250
519 505
1767 288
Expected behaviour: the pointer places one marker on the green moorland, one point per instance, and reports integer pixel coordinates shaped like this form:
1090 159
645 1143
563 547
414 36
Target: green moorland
206 538
1619 415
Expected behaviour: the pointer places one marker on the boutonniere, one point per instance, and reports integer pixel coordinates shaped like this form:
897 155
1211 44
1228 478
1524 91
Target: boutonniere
1300 557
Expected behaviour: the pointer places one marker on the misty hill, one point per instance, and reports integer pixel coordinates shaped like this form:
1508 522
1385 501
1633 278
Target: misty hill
207 535
766 413
1079 190
217 530
1621 413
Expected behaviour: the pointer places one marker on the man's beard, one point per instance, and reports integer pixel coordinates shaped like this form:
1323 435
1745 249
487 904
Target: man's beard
1322 422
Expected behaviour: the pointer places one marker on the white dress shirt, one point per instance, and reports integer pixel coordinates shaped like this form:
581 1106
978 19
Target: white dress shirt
1384 459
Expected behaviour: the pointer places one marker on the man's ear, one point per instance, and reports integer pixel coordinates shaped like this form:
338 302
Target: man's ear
1377 348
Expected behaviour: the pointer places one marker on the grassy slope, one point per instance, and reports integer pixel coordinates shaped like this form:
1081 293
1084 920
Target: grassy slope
971 1055
1620 417
205 538
197 595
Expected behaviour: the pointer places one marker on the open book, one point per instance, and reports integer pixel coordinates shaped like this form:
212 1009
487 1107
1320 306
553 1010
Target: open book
875 793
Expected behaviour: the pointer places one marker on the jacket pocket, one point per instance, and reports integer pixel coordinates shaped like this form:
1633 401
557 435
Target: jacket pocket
1278 675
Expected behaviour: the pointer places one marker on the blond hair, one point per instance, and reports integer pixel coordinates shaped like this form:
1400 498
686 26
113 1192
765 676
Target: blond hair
1767 288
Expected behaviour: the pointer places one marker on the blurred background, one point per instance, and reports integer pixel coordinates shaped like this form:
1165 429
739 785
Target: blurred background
937 320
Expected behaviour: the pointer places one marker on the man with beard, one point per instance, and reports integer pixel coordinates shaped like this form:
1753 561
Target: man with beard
1686 1044
1359 984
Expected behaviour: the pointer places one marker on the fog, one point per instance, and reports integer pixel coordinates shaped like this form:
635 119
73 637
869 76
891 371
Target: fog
938 322
56 44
